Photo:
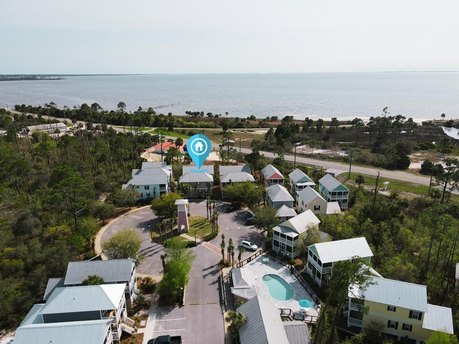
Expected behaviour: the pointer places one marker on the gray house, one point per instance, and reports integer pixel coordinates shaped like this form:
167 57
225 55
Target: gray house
277 196
333 191
234 174
151 180
272 176
197 183
300 180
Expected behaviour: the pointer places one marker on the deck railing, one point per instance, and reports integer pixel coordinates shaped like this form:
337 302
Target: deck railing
249 259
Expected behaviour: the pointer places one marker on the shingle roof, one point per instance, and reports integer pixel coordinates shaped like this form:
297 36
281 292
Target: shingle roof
263 325
298 176
224 170
204 168
237 177
438 318
278 193
285 211
297 332
271 172
84 299
335 251
77 332
330 183
308 194
196 177
112 271
395 293
300 223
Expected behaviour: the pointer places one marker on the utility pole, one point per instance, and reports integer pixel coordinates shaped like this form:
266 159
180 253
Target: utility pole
350 166
376 189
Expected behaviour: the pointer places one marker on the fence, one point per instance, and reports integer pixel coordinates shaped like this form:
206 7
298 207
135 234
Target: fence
249 259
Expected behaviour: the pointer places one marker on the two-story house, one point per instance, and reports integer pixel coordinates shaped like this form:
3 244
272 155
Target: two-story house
234 174
322 256
271 176
277 196
94 314
197 183
300 180
401 309
287 235
151 180
113 271
333 191
308 198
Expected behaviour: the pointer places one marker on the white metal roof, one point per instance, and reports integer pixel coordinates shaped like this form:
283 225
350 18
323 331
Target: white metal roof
297 332
438 318
278 193
263 325
271 170
308 194
75 332
333 208
196 177
394 293
224 170
330 183
298 176
192 168
237 177
335 251
302 222
285 211
150 176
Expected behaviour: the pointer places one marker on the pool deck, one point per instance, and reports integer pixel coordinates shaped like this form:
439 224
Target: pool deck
263 266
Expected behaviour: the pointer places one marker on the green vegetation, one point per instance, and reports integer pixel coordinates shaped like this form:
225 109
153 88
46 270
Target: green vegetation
170 133
199 227
247 194
165 205
394 185
265 219
93 280
122 245
442 338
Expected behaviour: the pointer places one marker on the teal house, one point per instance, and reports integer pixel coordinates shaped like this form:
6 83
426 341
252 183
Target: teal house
151 180
333 191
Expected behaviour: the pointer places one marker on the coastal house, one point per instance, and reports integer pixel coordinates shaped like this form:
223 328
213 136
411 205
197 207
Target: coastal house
264 325
271 176
284 213
308 198
52 129
234 174
197 183
151 180
300 180
94 314
277 196
164 147
322 256
287 235
401 309
333 191
113 271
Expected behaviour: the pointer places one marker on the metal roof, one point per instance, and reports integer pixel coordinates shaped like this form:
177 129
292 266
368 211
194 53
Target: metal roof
112 271
302 222
52 284
192 168
150 176
196 177
224 170
84 299
394 293
333 208
285 211
77 332
308 194
298 176
153 164
438 318
330 183
297 332
335 251
237 177
269 171
278 193
263 325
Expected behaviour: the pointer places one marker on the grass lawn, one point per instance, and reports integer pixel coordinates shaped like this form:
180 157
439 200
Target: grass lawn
199 225
169 133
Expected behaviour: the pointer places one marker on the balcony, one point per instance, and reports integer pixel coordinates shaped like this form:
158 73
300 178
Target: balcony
355 322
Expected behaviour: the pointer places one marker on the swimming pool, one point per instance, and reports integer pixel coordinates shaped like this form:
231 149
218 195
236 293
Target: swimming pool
278 288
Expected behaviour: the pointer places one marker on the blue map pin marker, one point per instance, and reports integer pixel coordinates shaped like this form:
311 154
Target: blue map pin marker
199 148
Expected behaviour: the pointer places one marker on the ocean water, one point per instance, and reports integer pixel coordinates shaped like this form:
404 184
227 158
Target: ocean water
421 95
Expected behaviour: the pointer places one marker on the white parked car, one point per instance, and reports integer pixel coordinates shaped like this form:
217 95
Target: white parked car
248 245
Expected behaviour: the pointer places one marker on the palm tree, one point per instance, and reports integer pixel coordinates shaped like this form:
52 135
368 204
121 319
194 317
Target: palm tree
93 280
230 250
236 321
239 255
222 246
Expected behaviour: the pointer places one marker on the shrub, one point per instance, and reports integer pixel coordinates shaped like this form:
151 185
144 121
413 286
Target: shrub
147 285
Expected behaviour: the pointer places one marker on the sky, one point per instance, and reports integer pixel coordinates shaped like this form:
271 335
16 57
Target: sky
237 36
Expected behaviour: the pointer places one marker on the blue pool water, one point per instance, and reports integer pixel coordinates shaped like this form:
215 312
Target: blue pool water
278 288
305 303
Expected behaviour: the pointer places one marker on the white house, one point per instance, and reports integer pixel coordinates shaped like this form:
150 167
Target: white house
94 314
308 198
300 180
151 180
400 307
322 256
277 196
333 191
272 176
284 213
286 236
196 183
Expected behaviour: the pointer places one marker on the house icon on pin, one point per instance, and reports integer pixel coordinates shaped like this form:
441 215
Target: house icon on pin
198 146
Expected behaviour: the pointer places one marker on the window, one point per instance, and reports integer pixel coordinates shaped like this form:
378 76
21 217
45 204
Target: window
407 327
415 315
310 253
319 262
392 324
309 265
146 187
391 308
275 243
317 207
141 195
148 194
315 258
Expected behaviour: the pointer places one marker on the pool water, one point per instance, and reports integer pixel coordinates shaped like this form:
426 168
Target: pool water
305 303
278 288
